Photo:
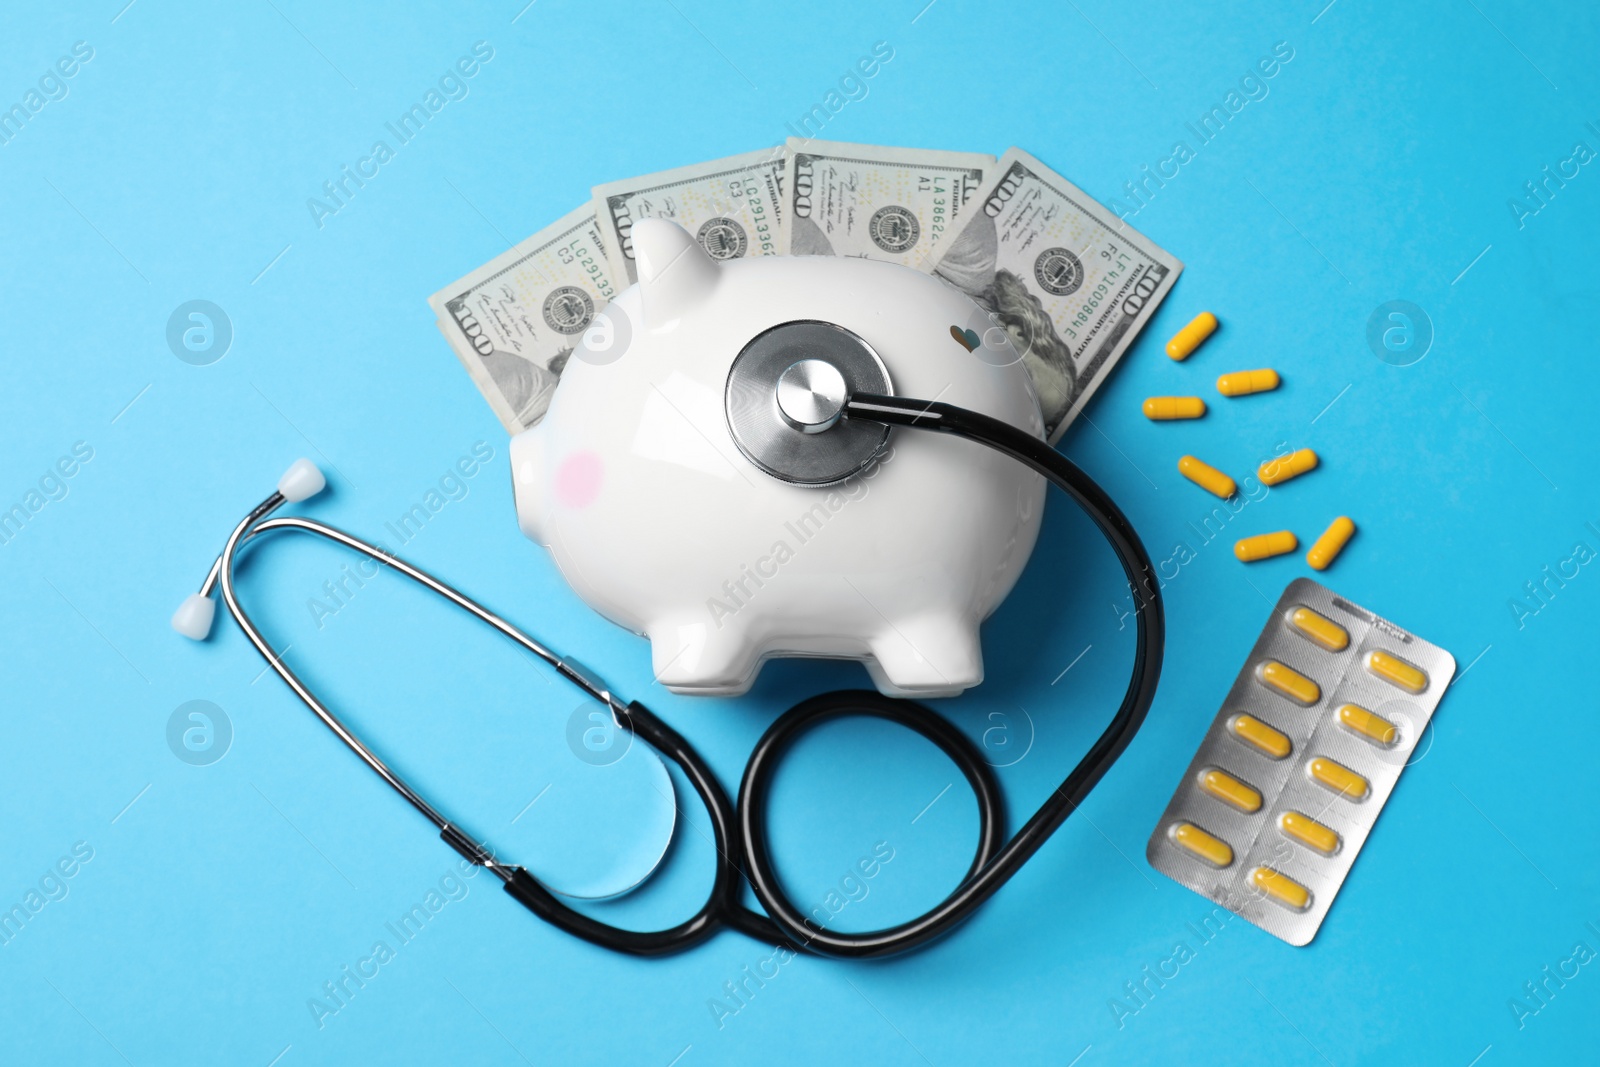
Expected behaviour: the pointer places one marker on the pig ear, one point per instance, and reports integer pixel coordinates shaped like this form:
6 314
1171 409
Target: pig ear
674 271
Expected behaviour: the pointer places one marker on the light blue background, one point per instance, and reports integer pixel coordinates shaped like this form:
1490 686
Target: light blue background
220 898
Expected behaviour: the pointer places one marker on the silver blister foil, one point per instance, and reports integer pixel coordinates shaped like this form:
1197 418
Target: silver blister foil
1257 839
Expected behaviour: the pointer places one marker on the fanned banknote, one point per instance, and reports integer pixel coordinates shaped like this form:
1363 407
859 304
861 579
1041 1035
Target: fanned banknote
893 204
732 206
1070 282
514 321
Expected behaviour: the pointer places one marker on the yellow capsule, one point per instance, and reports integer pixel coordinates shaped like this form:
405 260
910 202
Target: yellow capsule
1196 842
1245 382
1206 476
1282 888
1373 727
1186 340
1228 789
1291 683
1294 464
1271 743
1337 777
1319 629
1265 546
1397 671
1331 543
1309 832
1162 408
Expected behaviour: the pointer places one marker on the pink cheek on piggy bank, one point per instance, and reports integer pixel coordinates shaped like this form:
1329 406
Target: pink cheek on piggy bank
578 479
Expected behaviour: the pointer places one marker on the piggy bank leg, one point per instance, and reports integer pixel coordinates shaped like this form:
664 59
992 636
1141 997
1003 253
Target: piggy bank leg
927 656
693 656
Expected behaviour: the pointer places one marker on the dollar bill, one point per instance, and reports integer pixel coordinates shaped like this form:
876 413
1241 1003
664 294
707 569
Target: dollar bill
515 320
877 203
1070 282
732 206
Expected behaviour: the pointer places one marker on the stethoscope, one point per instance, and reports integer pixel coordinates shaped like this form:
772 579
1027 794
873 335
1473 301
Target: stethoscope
821 398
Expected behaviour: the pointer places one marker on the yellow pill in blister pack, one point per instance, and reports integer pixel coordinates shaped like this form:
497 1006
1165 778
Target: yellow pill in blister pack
1331 543
1245 382
1309 832
1293 465
1196 842
1339 778
1186 340
1265 546
1281 888
1164 408
1300 759
1397 671
1288 681
1228 789
1319 629
1272 743
1374 728
1206 476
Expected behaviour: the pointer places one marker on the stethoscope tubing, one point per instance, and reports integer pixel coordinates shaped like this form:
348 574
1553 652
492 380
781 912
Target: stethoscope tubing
996 864
739 832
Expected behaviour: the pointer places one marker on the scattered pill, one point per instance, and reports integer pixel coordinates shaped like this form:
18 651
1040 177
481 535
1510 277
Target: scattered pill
1206 477
1319 629
1396 671
1293 465
1265 546
1337 777
1162 408
1288 681
1373 727
1273 744
1196 842
1245 382
1331 543
1228 789
1186 340
1309 832
1280 887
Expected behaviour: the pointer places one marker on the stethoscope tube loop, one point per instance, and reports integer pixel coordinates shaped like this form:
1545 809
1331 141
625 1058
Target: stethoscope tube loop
756 788
739 834
993 867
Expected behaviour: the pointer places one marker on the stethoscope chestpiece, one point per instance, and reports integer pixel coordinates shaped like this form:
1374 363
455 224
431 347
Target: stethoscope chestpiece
786 394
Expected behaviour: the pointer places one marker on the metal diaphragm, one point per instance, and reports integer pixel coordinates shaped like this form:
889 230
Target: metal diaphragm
796 446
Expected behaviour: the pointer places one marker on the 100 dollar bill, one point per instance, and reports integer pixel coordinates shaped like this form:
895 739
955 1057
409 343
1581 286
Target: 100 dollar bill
1071 283
732 206
891 204
515 320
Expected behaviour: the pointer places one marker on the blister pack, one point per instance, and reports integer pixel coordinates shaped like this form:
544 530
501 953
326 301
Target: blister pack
1296 766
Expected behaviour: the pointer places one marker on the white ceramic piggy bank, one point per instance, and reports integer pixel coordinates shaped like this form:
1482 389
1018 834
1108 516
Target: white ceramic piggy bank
657 518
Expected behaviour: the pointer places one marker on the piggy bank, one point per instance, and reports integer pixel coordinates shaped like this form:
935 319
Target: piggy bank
663 519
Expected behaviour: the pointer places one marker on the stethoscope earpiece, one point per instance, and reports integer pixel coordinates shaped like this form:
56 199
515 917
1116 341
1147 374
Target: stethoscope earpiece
193 619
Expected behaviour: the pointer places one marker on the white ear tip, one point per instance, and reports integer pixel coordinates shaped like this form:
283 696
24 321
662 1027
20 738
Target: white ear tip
301 480
657 245
194 615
